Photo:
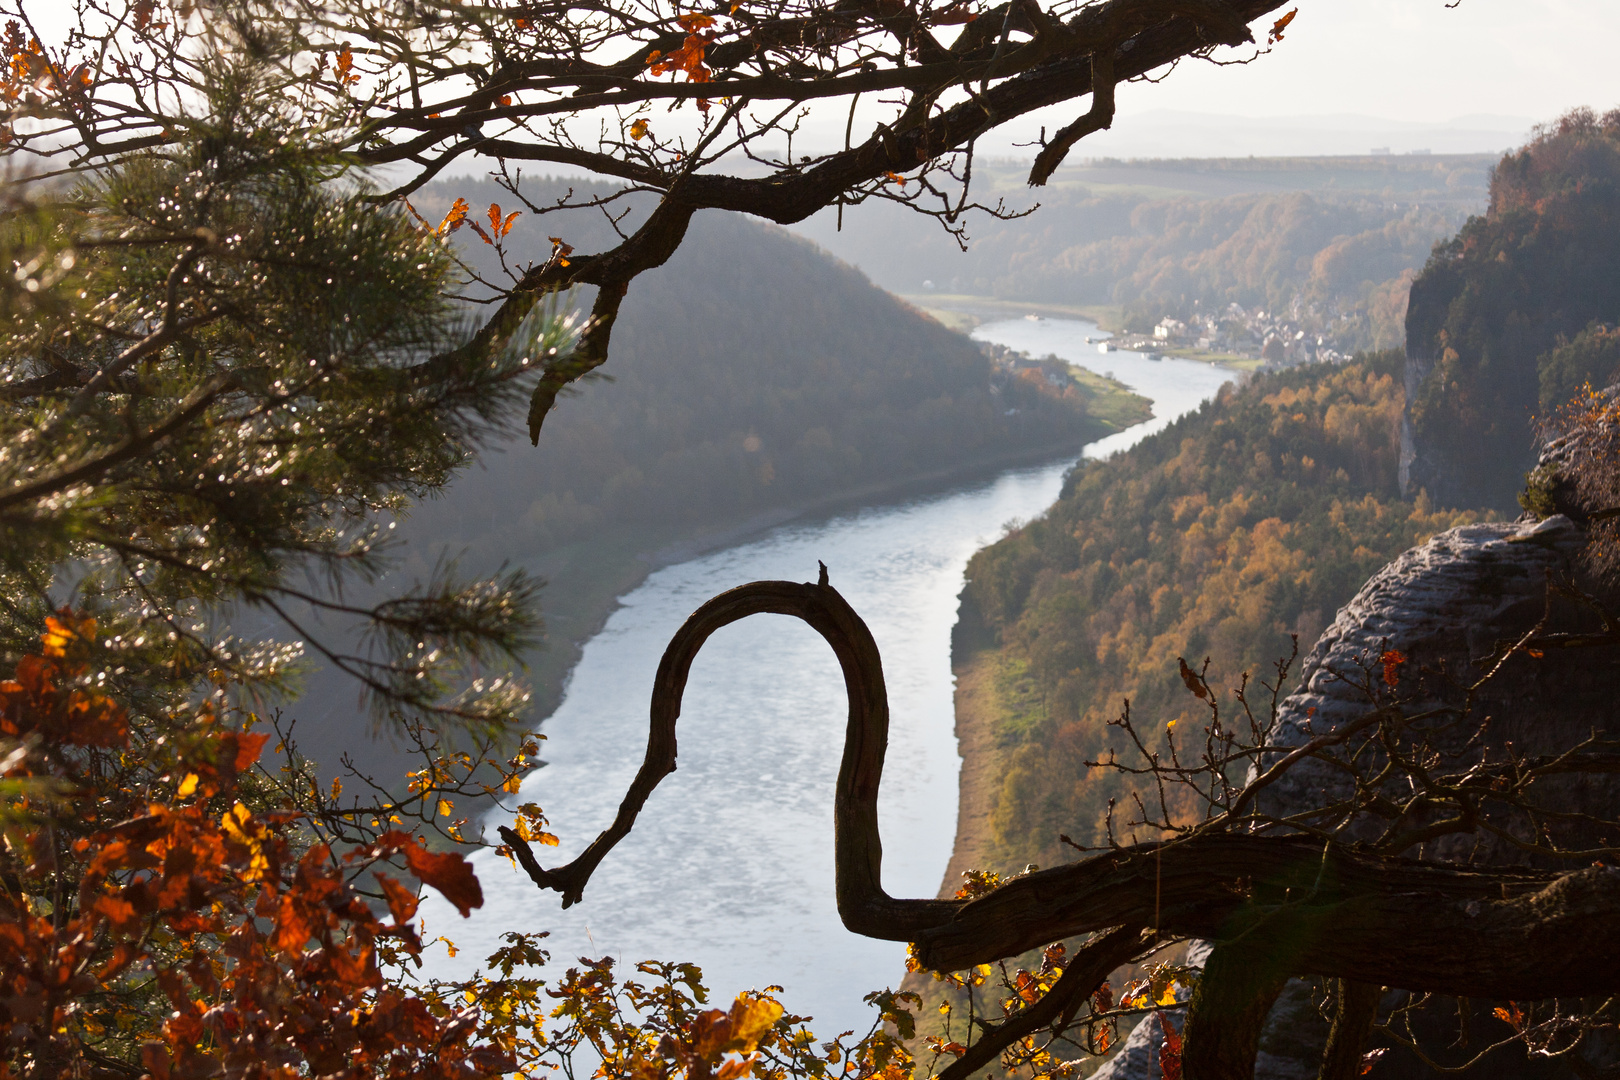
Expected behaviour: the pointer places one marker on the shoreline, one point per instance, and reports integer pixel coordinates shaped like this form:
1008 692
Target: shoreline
975 702
962 313
598 598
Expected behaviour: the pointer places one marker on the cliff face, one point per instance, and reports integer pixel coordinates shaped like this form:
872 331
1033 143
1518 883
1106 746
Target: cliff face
1449 606
1446 604
1496 305
1421 467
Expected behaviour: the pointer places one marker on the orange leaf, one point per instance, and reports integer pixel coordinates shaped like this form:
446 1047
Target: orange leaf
479 229
451 874
120 914
293 925
345 66
506 99
638 128
1281 24
248 748
1169 1049
1392 662
402 903
455 219
506 226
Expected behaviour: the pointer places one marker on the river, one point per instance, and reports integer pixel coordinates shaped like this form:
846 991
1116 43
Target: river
731 863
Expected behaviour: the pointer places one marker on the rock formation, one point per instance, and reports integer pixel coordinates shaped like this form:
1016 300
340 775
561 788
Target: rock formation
1449 606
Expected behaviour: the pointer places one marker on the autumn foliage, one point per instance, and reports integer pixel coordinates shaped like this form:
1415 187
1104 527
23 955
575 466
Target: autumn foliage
131 895
170 907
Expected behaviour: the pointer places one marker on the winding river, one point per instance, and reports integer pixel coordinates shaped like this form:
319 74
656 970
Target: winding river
731 864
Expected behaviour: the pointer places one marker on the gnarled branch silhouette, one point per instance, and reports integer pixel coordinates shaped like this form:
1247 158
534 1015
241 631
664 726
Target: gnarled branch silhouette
1304 905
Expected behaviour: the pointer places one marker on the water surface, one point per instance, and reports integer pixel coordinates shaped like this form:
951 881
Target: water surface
731 863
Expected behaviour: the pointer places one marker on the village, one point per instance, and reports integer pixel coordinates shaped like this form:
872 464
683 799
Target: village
1254 340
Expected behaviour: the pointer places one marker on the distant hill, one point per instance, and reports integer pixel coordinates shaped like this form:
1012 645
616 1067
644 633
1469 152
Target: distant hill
751 379
1509 317
1338 239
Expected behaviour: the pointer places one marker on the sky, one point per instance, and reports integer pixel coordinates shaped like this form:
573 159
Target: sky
1350 76
1414 59
1355 74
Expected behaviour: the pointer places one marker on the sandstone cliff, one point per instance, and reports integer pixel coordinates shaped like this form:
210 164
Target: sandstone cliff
1448 605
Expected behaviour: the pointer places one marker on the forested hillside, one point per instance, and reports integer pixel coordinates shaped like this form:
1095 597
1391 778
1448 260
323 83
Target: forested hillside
1334 242
1511 316
752 378
1239 525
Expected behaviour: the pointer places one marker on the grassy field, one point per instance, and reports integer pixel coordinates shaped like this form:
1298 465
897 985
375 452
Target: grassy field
963 312
1111 400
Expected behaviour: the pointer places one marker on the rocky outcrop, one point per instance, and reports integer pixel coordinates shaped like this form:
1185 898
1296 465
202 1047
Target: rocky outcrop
1421 467
1449 606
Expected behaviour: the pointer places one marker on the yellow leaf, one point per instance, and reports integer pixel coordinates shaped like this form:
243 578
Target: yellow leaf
445 807
751 1019
187 786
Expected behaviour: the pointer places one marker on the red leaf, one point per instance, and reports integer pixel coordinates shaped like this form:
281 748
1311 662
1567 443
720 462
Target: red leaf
401 901
451 874
1392 662
1169 1049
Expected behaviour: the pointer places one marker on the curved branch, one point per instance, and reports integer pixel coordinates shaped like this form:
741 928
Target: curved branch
1341 911
1098 118
862 903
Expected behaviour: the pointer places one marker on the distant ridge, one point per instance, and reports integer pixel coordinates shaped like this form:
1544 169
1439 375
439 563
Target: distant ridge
1165 133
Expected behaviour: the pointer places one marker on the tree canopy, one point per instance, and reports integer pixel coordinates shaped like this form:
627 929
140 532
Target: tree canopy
415 87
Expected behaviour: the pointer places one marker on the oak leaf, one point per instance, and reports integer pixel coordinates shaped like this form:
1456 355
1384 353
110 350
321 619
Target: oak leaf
449 873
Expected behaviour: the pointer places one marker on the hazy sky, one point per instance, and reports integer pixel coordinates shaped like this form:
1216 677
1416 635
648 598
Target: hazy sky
1415 59
1404 74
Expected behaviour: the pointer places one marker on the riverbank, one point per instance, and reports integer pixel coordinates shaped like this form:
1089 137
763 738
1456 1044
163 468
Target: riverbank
586 579
977 707
965 313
